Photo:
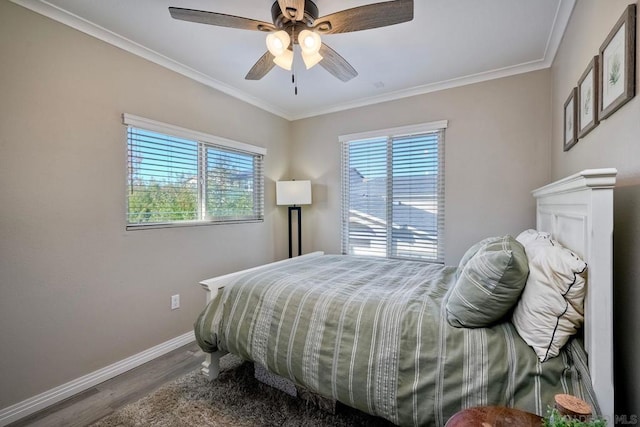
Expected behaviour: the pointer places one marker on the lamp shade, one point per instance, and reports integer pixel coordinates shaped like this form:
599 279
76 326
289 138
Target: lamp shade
311 59
309 41
293 193
278 42
285 60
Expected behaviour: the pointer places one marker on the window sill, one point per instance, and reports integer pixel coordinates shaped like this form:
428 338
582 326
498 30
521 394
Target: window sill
138 227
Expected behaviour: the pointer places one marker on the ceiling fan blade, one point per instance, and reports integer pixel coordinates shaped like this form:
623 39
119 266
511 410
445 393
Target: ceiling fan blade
336 64
292 9
219 19
261 67
365 17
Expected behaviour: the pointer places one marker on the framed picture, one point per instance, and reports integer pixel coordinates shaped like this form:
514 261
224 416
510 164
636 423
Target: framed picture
588 99
570 116
618 64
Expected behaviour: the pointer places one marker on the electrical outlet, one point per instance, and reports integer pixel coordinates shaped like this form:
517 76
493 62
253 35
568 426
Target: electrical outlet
175 301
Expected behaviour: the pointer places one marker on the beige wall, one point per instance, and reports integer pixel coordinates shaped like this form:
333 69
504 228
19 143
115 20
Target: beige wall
496 152
614 143
77 291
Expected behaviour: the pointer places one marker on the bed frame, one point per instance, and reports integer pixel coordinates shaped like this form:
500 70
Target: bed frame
578 212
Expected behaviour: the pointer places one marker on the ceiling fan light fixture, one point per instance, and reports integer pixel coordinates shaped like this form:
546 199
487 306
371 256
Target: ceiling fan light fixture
278 42
285 60
309 42
294 16
311 59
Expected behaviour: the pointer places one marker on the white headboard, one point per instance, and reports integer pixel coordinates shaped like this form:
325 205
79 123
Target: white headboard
578 212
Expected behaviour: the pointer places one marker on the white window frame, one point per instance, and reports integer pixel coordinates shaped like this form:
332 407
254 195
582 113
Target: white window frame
204 141
376 135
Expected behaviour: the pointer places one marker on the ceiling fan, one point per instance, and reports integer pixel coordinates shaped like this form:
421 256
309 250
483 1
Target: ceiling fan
297 22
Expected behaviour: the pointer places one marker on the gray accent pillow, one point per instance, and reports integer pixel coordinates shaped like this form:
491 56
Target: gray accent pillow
473 250
489 285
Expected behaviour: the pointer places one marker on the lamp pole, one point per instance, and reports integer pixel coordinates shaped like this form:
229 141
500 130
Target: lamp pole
299 209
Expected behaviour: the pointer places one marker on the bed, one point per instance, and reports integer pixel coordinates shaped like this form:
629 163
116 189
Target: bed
376 334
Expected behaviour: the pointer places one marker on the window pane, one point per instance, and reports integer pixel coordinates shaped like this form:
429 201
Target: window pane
393 196
230 184
415 197
162 178
367 198
190 179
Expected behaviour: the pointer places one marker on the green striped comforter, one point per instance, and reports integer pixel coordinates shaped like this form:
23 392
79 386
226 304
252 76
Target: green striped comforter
372 333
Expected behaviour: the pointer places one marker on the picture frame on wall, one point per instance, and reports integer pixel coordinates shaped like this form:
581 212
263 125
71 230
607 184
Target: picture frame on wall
587 101
617 60
570 120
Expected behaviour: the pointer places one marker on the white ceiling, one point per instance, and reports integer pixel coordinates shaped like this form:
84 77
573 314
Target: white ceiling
449 43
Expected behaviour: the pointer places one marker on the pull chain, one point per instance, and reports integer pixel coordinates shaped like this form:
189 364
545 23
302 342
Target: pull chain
293 67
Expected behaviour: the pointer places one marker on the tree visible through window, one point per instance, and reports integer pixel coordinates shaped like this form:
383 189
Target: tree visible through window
393 201
163 178
175 180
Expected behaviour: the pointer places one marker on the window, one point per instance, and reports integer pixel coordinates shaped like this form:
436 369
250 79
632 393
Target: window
180 177
393 193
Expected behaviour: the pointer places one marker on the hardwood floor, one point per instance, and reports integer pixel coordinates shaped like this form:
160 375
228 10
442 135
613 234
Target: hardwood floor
103 399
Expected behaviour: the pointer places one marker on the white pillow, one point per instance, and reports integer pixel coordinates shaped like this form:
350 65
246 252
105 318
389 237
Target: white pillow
529 236
550 309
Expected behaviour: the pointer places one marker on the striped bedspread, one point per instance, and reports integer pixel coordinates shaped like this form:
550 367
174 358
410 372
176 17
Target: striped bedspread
372 333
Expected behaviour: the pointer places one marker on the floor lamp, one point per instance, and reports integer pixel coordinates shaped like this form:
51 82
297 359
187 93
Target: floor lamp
294 194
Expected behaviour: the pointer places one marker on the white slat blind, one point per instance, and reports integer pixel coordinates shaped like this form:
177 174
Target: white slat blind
177 180
163 176
393 194
233 185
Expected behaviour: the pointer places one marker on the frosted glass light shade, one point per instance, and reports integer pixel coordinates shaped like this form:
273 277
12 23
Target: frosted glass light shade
311 59
309 42
278 42
293 193
285 60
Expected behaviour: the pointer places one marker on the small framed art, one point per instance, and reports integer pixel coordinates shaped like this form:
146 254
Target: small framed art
618 64
570 116
588 99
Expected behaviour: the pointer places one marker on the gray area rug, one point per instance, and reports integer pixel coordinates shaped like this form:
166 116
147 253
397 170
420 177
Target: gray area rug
236 398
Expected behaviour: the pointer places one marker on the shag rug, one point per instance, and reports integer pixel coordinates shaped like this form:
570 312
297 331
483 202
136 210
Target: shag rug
236 398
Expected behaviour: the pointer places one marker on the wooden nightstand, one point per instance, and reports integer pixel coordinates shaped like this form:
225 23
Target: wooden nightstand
494 416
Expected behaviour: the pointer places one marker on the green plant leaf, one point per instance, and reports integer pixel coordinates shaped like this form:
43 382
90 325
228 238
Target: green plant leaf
555 419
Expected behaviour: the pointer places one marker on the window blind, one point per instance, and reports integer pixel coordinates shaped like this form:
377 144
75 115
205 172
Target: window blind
173 180
393 196
163 175
233 185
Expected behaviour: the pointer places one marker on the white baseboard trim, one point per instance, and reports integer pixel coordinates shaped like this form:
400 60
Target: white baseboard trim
57 394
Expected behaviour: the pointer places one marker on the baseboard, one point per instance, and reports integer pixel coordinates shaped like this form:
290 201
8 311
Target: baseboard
57 394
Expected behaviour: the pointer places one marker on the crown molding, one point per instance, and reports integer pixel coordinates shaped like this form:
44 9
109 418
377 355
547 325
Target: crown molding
560 22
428 88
